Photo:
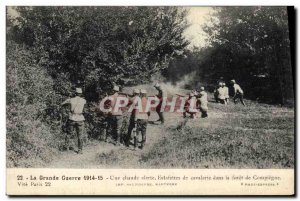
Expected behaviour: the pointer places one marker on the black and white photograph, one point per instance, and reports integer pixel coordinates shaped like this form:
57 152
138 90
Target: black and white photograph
150 87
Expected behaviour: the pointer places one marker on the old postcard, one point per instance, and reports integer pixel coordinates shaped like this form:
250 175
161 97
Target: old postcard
134 100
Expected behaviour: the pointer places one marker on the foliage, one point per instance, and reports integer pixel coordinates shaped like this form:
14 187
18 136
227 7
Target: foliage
51 50
29 94
251 44
248 44
99 46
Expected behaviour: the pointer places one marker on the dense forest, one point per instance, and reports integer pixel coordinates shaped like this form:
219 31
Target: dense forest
51 50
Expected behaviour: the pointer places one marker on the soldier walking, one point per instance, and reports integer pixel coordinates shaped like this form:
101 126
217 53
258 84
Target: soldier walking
161 94
76 119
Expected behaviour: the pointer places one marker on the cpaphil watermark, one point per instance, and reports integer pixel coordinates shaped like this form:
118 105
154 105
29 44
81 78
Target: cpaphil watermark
174 104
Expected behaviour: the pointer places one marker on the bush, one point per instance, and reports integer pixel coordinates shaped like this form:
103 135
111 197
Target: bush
30 137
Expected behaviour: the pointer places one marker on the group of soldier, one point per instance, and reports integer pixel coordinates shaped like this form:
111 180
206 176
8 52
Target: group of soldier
221 93
195 103
113 119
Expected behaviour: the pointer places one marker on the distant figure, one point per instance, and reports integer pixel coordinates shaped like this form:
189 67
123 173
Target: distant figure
226 92
216 94
132 120
76 119
220 94
161 94
220 81
238 92
142 120
190 106
202 100
114 118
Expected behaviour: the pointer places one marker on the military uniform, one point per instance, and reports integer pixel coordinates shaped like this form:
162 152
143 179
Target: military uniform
190 106
161 94
202 100
142 120
114 119
76 119
221 93
226 93
238 93
132 123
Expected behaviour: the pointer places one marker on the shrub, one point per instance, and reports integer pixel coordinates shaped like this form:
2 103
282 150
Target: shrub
30 137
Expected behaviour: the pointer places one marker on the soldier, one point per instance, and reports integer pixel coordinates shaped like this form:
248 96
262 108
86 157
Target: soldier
114 118
161 94
76 118
132 120
216 94
220 94
190 106
226 92
202 100
142 119
238 92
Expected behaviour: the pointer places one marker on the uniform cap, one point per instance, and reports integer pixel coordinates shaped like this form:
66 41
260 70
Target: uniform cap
233 81
116 88
202 88
156 85
223 84
220 84
78 90
143 91
136 91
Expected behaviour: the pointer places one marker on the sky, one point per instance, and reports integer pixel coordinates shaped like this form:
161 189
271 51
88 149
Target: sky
196 17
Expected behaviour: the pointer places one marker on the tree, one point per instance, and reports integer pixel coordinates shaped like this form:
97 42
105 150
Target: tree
50 50
251 44
99 46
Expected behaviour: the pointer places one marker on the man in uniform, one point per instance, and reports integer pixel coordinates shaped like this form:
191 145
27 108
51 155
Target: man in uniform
161 94
132 119
202 100
114 118
142 119
238 92
226 92
220 94
76 118
190 106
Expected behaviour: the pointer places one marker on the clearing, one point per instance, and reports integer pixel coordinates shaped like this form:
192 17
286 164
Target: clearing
233 136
